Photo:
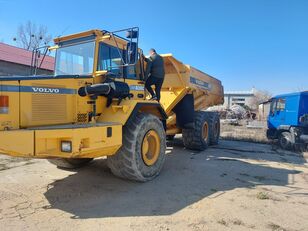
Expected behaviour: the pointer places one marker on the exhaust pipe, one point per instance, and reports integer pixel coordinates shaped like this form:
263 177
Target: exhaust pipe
115 89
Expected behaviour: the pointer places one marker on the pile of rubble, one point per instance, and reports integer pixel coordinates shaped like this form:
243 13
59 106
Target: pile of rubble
234 115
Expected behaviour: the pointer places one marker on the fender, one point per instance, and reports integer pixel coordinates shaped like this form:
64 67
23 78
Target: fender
150 108
284 127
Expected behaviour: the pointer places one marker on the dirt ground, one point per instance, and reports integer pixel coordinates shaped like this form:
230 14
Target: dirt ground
240 132
232 186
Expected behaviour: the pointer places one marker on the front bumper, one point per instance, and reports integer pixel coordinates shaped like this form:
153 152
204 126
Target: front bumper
88 141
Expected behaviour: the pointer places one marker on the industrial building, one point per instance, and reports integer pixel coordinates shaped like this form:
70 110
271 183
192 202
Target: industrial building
238 98
17 61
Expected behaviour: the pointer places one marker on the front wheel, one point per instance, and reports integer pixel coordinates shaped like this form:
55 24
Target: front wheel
142 154
285 140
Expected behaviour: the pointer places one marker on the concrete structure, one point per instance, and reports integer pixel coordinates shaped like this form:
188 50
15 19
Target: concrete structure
238 98
17 61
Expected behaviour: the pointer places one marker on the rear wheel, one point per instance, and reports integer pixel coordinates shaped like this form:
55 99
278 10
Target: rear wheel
215 125
70 163
198 138
142 154
285 140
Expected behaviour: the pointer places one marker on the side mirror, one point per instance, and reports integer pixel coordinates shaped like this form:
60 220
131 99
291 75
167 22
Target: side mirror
132 34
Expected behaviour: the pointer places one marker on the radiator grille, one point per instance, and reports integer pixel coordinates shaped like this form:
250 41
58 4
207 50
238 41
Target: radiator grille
82 117
49 107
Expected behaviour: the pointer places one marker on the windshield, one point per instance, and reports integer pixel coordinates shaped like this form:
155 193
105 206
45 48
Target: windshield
75 59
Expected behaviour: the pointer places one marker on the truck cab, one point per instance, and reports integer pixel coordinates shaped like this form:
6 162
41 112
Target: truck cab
288 120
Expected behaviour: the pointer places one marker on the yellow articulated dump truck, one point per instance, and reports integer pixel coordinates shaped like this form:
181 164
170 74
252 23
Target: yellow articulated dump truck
96 105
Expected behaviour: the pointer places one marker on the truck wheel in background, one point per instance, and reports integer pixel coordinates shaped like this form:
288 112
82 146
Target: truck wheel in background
285 140
198 138
215 125
70 163
142 154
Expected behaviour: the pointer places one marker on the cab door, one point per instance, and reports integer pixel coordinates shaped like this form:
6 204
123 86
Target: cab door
110 59
277 115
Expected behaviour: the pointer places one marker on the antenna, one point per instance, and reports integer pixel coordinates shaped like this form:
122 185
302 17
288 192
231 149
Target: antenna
65 29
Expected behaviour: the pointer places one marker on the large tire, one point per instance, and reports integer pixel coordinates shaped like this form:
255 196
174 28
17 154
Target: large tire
285 140
142 136
70 163
215 127
198 138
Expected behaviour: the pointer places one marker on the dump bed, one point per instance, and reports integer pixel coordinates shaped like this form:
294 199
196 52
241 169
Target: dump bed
199 89
181 79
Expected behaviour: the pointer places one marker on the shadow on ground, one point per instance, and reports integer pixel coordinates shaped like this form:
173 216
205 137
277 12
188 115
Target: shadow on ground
187 177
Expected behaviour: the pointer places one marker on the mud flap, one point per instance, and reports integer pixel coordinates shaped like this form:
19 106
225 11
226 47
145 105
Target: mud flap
184 111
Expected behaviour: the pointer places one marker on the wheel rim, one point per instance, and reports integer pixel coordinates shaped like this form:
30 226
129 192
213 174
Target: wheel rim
284 142
205 131
150 147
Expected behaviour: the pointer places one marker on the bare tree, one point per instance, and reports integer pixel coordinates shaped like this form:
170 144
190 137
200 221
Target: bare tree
259 97
30 36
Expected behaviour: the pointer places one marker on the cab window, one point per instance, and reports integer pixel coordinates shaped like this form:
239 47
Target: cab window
281 104
111 58
273 106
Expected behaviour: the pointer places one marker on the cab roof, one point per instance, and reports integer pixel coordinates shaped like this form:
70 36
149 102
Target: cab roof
89 33
291 94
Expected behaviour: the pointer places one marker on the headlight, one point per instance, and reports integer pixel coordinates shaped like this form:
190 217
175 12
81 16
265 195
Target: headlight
66 146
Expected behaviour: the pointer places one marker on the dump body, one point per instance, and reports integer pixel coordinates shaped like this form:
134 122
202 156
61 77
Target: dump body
182 80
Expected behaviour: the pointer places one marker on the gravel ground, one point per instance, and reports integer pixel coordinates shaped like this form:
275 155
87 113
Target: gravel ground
242 133
232 186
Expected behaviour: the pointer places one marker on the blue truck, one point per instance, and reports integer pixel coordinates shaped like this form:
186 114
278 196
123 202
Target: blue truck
288 120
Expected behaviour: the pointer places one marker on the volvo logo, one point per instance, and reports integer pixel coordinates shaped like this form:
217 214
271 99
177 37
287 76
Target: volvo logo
46 90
